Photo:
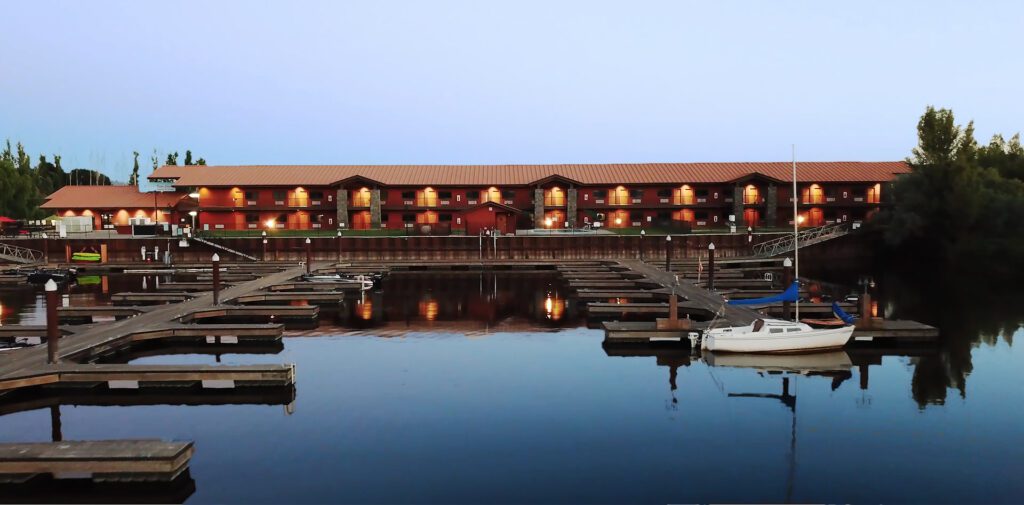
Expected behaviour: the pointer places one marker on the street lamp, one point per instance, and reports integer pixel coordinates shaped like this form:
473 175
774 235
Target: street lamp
193 214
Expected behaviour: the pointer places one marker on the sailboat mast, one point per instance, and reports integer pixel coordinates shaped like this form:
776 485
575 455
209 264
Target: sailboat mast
796 239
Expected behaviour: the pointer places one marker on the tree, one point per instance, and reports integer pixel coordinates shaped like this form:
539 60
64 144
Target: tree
172 158
134 180
155 160
956 206
201 161
188 157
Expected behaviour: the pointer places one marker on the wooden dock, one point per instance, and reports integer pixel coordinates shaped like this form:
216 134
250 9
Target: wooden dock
646 332
150 297
100 460
287 296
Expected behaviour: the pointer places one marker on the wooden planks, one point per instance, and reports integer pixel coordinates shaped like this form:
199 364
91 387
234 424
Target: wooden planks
102 460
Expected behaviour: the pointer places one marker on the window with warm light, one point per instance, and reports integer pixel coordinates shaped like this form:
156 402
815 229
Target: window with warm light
618 196
554 197
491 194
683 195
360 198
426 197
813 194
875 194
750 195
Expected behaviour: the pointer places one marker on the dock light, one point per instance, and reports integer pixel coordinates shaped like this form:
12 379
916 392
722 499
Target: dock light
643 233
668 238
339 232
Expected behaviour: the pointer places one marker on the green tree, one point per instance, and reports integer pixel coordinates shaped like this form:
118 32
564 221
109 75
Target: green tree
955 205
134 179
188 157
155 160
201 161
172 158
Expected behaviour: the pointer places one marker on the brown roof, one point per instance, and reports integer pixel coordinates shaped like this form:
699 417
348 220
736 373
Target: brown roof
521 175
108 197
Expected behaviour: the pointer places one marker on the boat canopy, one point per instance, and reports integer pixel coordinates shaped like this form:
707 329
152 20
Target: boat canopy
789 295
841 314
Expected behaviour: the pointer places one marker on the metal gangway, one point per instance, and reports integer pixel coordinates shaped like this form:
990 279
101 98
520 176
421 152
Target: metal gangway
17 254
785 243
223 247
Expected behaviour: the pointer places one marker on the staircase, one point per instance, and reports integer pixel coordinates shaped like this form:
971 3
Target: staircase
784 244
16 254
222 247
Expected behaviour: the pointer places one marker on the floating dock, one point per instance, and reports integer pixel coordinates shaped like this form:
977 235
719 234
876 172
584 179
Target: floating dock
99 460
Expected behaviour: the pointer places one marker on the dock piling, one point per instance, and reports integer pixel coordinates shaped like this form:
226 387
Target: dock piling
216 279
52 322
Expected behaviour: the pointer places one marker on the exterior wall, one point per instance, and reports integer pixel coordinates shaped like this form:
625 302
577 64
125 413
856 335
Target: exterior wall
119 217
705 205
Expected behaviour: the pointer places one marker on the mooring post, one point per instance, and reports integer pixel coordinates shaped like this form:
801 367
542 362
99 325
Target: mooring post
642 235
787 279
52 323
264 257
56 433
46 249
711 266
309 255
668 253
865 321
216 279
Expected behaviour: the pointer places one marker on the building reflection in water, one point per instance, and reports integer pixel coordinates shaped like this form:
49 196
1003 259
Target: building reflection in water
470 301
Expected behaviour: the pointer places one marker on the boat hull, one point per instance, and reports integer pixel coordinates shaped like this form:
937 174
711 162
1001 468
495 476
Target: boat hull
831 338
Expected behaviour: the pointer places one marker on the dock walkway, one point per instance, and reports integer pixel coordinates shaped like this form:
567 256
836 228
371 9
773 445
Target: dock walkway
736 315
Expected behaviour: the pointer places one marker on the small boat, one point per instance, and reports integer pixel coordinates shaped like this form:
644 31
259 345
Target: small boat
775 335
85 256
365 282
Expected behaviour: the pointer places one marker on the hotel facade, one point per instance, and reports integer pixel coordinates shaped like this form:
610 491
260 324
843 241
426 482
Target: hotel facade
468 199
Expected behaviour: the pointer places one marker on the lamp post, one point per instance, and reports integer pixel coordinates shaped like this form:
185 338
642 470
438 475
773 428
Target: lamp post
642 235
339 245
711 266
216 278
52 322
309 255
668 253
193 214
264 236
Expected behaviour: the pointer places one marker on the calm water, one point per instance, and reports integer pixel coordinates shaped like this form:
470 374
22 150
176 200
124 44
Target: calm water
476 389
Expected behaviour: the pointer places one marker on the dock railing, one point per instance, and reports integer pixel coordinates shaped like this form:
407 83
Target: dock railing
16 254
785 243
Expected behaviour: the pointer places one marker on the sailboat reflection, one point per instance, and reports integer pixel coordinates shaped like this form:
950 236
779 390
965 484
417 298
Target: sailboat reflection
834 364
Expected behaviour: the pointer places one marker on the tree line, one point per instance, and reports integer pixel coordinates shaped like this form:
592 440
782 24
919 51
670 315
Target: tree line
23 186
962 203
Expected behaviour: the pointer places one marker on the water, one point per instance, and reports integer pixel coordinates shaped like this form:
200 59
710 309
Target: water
479 395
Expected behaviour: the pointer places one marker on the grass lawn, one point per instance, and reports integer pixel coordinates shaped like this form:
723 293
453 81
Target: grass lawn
697 231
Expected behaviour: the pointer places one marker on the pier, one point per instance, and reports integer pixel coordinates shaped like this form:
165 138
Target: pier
100 460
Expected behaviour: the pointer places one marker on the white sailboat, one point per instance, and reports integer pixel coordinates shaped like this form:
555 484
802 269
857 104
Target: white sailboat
775 335
778 335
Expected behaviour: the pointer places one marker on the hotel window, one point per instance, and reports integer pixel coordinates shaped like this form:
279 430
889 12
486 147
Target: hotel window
252 196
426 198
491 194
408 195
383 195
813 194
830 194
701 193
750 195
600 193
508 194
444 195
619 196
554 197
875 194
361 197
316 196
279 197
281 221
683 195
445 218
408 218
252 218
636 194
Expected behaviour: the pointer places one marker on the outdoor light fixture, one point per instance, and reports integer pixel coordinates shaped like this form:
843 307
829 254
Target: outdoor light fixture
618 220
194 195
547 222
193 213
800 219
269 223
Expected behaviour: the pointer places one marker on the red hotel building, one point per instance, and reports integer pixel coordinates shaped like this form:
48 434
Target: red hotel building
468 198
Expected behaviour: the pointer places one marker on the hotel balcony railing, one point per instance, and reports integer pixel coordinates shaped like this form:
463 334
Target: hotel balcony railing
554 202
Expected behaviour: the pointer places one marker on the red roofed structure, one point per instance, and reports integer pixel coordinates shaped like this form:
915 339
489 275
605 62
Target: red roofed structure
453 197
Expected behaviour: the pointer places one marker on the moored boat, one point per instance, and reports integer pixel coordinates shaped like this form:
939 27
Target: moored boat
775 335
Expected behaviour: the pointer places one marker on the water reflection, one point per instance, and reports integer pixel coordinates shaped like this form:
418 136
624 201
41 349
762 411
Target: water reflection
458 302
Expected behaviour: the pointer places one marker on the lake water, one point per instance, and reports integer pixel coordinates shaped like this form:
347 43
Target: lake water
484 389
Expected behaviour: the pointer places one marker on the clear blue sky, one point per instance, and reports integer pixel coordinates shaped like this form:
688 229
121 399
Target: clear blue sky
500 82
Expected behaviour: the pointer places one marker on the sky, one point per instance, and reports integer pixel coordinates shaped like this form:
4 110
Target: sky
450 82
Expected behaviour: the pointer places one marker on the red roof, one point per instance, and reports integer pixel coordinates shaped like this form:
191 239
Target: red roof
521 175
108 197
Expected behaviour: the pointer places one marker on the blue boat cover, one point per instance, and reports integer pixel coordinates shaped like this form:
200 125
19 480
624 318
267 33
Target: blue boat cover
789 295
848 319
